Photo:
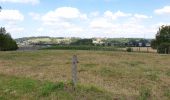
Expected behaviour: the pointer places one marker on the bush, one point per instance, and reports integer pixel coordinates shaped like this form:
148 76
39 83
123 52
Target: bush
129 49
164 48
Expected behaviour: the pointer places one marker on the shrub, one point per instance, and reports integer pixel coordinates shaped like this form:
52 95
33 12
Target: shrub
164 48
129 49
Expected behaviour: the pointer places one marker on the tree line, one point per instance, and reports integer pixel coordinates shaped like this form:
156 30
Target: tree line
6 41
162 40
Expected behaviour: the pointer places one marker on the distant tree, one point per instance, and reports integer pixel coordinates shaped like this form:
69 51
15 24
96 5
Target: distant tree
6 41
162 41
83 42
154 44
144 42
133 43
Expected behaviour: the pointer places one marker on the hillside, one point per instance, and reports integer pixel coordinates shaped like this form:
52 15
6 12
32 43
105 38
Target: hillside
66 41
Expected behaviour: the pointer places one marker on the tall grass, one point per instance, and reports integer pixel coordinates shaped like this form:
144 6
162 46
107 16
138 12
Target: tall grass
14 88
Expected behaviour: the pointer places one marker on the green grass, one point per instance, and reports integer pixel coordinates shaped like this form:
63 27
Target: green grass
167 92
145 93
81 48
46 74
168 73
109 72
13 88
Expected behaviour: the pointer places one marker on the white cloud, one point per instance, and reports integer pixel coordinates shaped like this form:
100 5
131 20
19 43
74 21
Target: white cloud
11 15
99 23
111 26
35 16
161 23
164 10
94 14
40 29
116 15
140 16
64 19
10 19
68 21
14 30
21 1
63 13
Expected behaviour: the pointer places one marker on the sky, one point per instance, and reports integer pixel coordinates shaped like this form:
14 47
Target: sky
84 18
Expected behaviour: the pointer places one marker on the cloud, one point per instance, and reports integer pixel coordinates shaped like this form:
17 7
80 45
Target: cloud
161 23
11 15
63 14
140 16
164 10
99 23
94 14
116 15
69 21
10 19
21 1
14 29
120 24
40 29
35 16
64 19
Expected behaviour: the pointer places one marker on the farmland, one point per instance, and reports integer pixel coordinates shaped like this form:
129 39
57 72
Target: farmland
108 75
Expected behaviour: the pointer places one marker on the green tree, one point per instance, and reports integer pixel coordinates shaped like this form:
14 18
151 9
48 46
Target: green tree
88 42
162 41
154 44
6 41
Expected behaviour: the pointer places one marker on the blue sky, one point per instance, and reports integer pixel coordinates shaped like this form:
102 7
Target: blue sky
84 18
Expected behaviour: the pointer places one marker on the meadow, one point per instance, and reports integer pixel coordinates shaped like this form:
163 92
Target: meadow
102 48
93 48
102 75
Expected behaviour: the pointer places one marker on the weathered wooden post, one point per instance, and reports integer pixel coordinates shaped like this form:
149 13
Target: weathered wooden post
74 69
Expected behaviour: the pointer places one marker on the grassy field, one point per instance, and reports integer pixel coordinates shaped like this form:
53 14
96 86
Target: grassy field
105 75
102 48
94 48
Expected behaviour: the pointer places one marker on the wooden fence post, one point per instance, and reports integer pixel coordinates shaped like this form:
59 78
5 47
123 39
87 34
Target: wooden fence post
74 69
147 49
